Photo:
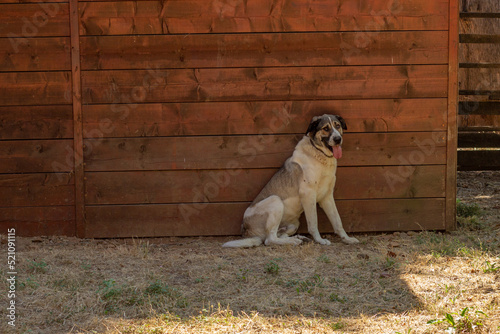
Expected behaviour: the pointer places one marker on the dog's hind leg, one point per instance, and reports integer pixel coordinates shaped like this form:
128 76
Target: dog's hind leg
273 206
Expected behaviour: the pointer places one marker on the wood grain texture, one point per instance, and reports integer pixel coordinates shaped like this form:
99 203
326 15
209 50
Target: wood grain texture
77 119
452 136
244 84
29 19
225 218
44 189
34 156
36 221
220 152
199 16
36 122
243 185
238 118
264 50
36 54
34 88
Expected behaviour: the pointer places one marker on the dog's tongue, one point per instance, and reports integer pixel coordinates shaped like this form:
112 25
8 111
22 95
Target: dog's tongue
337 151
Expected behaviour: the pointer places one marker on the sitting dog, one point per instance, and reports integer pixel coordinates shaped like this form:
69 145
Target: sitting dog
306 178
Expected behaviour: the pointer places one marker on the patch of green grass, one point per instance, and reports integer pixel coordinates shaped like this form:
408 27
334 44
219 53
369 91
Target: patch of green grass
464 321
29 283
272 267
37 267
491 267
109 289
308 285
336 298
467 209
160 293
337 326
323 258
242 275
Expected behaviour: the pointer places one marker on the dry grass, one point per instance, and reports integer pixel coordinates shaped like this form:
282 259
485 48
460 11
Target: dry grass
387 284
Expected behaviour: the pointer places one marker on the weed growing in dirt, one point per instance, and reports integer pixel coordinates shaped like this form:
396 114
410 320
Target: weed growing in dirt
336 298
463 321
467 209
310 284
491 267
468 216
323 258
272 267
37 267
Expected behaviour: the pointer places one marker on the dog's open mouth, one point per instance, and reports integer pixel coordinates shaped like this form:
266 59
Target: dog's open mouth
336 150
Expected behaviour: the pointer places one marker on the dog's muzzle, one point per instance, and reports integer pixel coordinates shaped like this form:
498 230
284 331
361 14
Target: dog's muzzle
335 143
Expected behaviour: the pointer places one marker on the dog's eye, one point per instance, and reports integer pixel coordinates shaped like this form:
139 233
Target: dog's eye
337 125
326 128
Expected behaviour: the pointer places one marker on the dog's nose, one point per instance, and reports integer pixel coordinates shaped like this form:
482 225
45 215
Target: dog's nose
337 140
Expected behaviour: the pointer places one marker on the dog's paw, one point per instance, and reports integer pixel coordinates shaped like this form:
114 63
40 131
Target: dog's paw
296 241
323 241
350 240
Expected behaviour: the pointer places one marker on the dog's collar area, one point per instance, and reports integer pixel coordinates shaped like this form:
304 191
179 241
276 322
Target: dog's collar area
314 145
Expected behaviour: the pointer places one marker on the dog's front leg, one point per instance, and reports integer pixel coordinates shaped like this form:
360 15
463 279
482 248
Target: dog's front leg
308 200
328 205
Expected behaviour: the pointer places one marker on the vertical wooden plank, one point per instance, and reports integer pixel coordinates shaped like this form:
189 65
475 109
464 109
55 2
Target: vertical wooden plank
451 173
77 119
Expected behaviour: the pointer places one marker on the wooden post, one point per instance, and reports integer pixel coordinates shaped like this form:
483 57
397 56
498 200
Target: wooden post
451 167
77 120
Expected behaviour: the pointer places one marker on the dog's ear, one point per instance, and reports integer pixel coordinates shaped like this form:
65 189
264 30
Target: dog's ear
342 122
313 126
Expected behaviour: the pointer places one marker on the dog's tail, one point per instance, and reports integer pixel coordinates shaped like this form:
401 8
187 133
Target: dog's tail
248 242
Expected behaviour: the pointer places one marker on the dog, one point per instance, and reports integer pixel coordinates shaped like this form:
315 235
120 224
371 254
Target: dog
306 178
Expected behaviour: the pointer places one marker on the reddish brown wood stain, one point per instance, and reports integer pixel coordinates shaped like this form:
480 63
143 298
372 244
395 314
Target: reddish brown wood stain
182 110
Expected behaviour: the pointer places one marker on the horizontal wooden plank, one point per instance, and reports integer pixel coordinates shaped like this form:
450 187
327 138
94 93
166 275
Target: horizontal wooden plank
481 15
492 94
480 83
35 54
36 122
264 151
237 118
479 160
34 156
244 84
199 16
479 108
37 221
479 122
240 185
475 38
264 50
50 189
35 88
479 139
479 6
476 53
22 19
28 1
479 65
225 218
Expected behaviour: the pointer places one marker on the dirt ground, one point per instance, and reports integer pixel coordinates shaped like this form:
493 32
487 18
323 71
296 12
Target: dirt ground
416 282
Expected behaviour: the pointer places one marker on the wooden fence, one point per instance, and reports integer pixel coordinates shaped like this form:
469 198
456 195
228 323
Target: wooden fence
160 118
479 77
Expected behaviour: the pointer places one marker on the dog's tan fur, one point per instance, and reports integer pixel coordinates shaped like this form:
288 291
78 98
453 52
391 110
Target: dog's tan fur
306 178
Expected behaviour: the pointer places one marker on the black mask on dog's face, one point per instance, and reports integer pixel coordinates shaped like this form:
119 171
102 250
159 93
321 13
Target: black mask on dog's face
326 134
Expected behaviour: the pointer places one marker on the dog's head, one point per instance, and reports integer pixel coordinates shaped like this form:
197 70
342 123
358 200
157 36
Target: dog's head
326 134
